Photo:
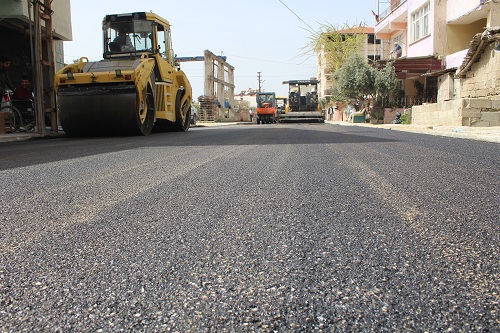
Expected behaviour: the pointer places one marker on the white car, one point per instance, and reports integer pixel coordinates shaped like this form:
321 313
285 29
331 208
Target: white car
194 115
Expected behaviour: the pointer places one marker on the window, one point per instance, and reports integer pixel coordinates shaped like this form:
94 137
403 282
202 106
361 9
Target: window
372 40
420 23
127 36
399 39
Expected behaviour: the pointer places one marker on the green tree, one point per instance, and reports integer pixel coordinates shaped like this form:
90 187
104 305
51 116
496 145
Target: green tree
386 84
355 79
336 43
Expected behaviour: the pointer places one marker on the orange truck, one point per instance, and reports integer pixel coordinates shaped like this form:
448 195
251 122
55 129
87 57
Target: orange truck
266 108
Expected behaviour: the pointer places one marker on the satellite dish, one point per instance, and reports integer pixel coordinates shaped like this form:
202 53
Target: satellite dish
497 48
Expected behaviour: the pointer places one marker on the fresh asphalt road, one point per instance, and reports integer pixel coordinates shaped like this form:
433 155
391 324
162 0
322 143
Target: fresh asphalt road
286 228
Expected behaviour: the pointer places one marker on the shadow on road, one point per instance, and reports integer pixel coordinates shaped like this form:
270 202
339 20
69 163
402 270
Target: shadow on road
37 151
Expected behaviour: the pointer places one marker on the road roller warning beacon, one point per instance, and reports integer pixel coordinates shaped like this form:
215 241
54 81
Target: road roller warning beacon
135 89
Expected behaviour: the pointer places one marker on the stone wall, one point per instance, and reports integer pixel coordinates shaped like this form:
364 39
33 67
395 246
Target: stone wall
481 112
446 113
475 112
479 102
483 78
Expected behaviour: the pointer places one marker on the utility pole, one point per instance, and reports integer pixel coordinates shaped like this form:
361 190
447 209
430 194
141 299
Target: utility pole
259 77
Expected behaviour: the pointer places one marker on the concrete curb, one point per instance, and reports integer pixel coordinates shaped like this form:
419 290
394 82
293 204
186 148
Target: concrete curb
10 137
490 134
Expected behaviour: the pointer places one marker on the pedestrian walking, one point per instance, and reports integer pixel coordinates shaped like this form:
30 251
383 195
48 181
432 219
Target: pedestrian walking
330 113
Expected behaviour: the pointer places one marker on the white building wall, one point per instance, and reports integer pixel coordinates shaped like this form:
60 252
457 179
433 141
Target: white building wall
251 99
62 19
424 46
455 59
23 10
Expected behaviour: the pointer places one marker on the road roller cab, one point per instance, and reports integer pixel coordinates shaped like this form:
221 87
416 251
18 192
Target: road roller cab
136 88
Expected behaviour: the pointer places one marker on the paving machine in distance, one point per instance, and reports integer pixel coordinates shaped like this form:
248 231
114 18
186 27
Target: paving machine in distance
266 108
135 88
281 104
303 103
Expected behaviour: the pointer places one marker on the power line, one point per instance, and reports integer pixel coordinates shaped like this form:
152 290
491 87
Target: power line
312 30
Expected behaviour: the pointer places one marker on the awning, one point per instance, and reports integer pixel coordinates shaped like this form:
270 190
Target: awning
415 65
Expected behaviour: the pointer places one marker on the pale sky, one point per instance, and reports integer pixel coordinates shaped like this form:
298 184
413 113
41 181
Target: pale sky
255 36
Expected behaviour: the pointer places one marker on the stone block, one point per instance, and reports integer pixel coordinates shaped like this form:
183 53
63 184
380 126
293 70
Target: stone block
479 123
480 103
495 104
465 101
493 118
471 112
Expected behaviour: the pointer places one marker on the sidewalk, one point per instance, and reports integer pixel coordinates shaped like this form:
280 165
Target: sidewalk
9 137
490 134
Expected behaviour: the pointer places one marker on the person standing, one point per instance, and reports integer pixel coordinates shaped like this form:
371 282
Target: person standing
396 52
330 113
5 82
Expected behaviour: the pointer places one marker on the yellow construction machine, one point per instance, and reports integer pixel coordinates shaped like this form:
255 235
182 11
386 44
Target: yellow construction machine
303 105
136 88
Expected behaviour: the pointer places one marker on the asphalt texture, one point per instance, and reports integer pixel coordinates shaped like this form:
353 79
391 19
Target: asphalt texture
270 228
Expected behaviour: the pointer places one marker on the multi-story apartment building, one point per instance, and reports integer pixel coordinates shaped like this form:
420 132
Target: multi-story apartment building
17 31
440 42
371 49
418 28
469 88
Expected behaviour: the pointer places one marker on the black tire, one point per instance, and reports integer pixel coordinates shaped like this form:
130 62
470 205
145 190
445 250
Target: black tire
182 123
146 114
15 117
193 120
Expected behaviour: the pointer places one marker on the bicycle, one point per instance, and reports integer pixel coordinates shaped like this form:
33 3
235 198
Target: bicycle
21 114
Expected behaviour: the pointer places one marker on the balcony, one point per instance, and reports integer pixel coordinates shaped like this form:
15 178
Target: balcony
392 19
386 12
466 12
16 15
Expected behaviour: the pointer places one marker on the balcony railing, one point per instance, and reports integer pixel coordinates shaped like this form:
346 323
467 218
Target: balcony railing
388 10
408 101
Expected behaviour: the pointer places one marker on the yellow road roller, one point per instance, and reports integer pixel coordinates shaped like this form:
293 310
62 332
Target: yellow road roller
137 87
